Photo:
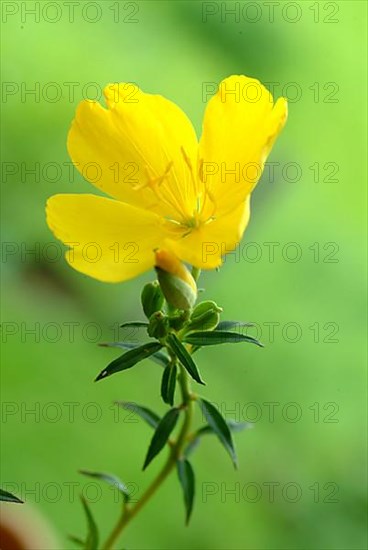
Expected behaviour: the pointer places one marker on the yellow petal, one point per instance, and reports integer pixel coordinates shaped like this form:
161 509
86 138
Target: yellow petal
240 126
133 150
205 246
109 240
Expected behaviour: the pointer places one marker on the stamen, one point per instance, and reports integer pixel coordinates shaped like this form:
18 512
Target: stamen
154 184
200 170
191 171
183 221
171 220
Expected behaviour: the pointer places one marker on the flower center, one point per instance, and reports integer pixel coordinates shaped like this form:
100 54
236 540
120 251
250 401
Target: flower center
189 204
204 208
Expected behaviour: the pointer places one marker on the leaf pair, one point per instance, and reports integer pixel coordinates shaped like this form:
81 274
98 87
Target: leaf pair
137 353
217 425
154 351
92 540
162 426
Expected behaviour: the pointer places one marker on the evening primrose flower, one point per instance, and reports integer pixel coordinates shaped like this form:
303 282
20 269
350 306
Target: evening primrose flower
169 191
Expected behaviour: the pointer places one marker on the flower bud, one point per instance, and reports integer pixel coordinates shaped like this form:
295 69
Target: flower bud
177 284
152 298
205 316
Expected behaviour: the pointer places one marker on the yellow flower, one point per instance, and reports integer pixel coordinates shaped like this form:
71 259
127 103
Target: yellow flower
169 191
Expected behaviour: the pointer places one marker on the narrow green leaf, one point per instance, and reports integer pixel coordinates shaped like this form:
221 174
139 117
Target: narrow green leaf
161 435
236 427
228 325
184 357
207 430
92 537
219 426
215 337
232 424
168 383
9 497
129 359
134 324
187 481
149 416
160 357
110 480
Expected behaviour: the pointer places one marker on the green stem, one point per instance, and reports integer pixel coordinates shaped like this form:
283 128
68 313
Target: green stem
129 512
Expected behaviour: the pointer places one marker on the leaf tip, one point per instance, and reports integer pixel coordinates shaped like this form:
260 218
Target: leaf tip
103 374
147 461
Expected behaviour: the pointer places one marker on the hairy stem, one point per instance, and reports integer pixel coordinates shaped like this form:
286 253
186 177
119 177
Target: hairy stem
129 512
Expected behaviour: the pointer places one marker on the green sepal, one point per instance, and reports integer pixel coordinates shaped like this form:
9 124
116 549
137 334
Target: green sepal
161 435
205 316
111 480
158 325
160 357
216 421
168 383
5 496
177 292
184 357
187 481
177 321
146 414
129 359
216 337
92 540
152 298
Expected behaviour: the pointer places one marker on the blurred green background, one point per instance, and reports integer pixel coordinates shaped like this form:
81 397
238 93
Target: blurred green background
311 373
